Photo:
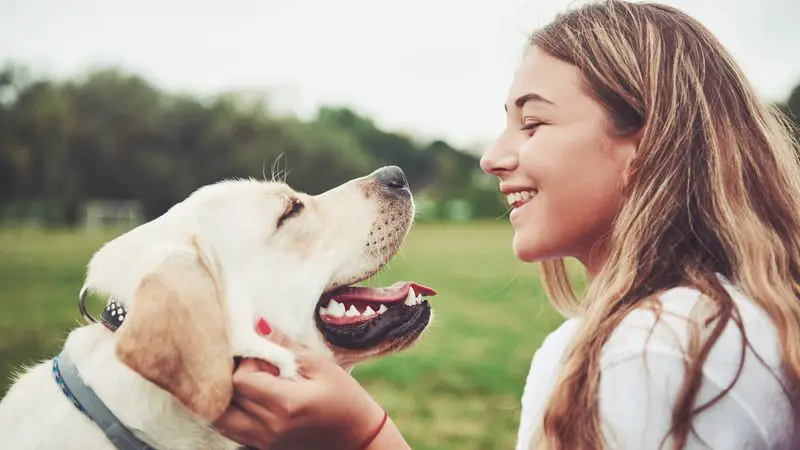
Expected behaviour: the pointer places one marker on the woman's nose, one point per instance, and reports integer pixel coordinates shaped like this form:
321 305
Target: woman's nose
499 160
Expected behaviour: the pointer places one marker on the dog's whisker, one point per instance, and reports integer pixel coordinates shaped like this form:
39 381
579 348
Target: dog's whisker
273 168
280 175
400 254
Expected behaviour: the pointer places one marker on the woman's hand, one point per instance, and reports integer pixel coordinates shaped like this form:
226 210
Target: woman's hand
324 407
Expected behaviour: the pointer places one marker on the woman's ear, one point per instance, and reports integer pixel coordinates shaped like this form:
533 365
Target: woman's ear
628 147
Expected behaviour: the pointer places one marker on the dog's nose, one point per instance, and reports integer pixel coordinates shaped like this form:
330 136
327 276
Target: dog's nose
392 177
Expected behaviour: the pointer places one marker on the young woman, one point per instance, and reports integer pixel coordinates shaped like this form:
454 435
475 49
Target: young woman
634 144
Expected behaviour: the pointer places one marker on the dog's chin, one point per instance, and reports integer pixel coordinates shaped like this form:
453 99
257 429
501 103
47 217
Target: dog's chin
360 323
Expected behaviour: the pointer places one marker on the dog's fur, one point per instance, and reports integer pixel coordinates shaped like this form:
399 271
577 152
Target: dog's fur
194 282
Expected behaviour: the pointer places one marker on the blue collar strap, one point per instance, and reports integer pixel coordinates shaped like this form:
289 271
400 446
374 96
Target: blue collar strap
87 401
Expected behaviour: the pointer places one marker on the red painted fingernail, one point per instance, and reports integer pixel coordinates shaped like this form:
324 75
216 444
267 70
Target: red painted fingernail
263 327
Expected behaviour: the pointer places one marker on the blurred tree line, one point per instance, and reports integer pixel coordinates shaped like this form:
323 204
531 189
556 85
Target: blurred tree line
114 135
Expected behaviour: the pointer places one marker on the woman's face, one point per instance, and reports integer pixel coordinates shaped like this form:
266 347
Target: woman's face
558 163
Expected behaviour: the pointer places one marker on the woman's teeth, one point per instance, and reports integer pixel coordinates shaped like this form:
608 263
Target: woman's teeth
517 199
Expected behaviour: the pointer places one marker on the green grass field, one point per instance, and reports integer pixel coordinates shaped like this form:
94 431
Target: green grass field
458 388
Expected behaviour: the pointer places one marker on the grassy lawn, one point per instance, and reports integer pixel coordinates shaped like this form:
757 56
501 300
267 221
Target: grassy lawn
458 388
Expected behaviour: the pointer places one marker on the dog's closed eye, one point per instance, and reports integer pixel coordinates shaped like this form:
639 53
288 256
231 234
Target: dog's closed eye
294 207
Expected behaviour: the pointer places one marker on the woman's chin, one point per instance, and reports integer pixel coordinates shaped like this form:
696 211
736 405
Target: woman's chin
536 246
527 250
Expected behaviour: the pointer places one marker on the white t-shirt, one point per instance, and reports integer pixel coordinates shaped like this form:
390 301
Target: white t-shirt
636 401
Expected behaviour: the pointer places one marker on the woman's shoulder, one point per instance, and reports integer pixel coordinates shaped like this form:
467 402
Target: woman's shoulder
682 314
668 325
645 358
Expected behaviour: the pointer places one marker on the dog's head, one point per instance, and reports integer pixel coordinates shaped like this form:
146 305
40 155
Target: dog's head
239 250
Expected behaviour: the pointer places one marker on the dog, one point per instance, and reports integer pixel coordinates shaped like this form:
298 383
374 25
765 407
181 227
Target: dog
184 293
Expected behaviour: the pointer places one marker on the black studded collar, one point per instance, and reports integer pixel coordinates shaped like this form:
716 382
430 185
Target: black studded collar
112 317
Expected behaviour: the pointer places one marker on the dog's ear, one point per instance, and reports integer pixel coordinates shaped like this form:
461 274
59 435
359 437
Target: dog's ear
175 334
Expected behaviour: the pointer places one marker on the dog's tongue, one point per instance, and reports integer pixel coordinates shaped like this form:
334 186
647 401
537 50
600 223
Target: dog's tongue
394 293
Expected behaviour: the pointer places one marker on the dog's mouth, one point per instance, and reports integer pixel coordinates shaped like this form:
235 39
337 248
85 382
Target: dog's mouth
358 318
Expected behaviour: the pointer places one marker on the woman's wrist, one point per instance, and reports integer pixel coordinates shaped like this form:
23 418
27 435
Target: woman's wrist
377 431
388 437
359 428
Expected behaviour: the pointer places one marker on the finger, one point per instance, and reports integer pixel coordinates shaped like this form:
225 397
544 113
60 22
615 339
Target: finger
238 425
265 329
307 361
276 424
265 389
252 365
264 414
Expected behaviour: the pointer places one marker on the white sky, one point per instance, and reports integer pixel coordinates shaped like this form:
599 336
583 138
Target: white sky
435 68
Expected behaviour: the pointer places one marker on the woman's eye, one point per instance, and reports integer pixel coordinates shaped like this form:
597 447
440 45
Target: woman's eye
294 208
531 125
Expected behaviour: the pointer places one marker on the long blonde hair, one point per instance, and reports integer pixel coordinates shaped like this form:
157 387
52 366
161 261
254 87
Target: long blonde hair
714 188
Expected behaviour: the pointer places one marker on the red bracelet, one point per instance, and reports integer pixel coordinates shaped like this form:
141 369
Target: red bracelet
376 433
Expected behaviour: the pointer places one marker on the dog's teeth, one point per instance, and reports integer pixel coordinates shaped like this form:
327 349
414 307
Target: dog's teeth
352 312
411 298
335 309
382 309
323 311
419 299
368 312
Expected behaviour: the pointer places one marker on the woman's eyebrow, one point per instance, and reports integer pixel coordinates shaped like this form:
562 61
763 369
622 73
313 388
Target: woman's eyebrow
530 97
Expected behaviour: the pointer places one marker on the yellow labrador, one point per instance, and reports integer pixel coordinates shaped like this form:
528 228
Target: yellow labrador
184 294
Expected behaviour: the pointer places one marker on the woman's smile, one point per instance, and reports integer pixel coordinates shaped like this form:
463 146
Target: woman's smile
517 200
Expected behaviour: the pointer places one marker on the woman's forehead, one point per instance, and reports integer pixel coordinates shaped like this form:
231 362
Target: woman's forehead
541 76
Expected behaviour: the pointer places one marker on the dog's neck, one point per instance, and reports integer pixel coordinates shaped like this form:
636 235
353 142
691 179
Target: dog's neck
151 413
